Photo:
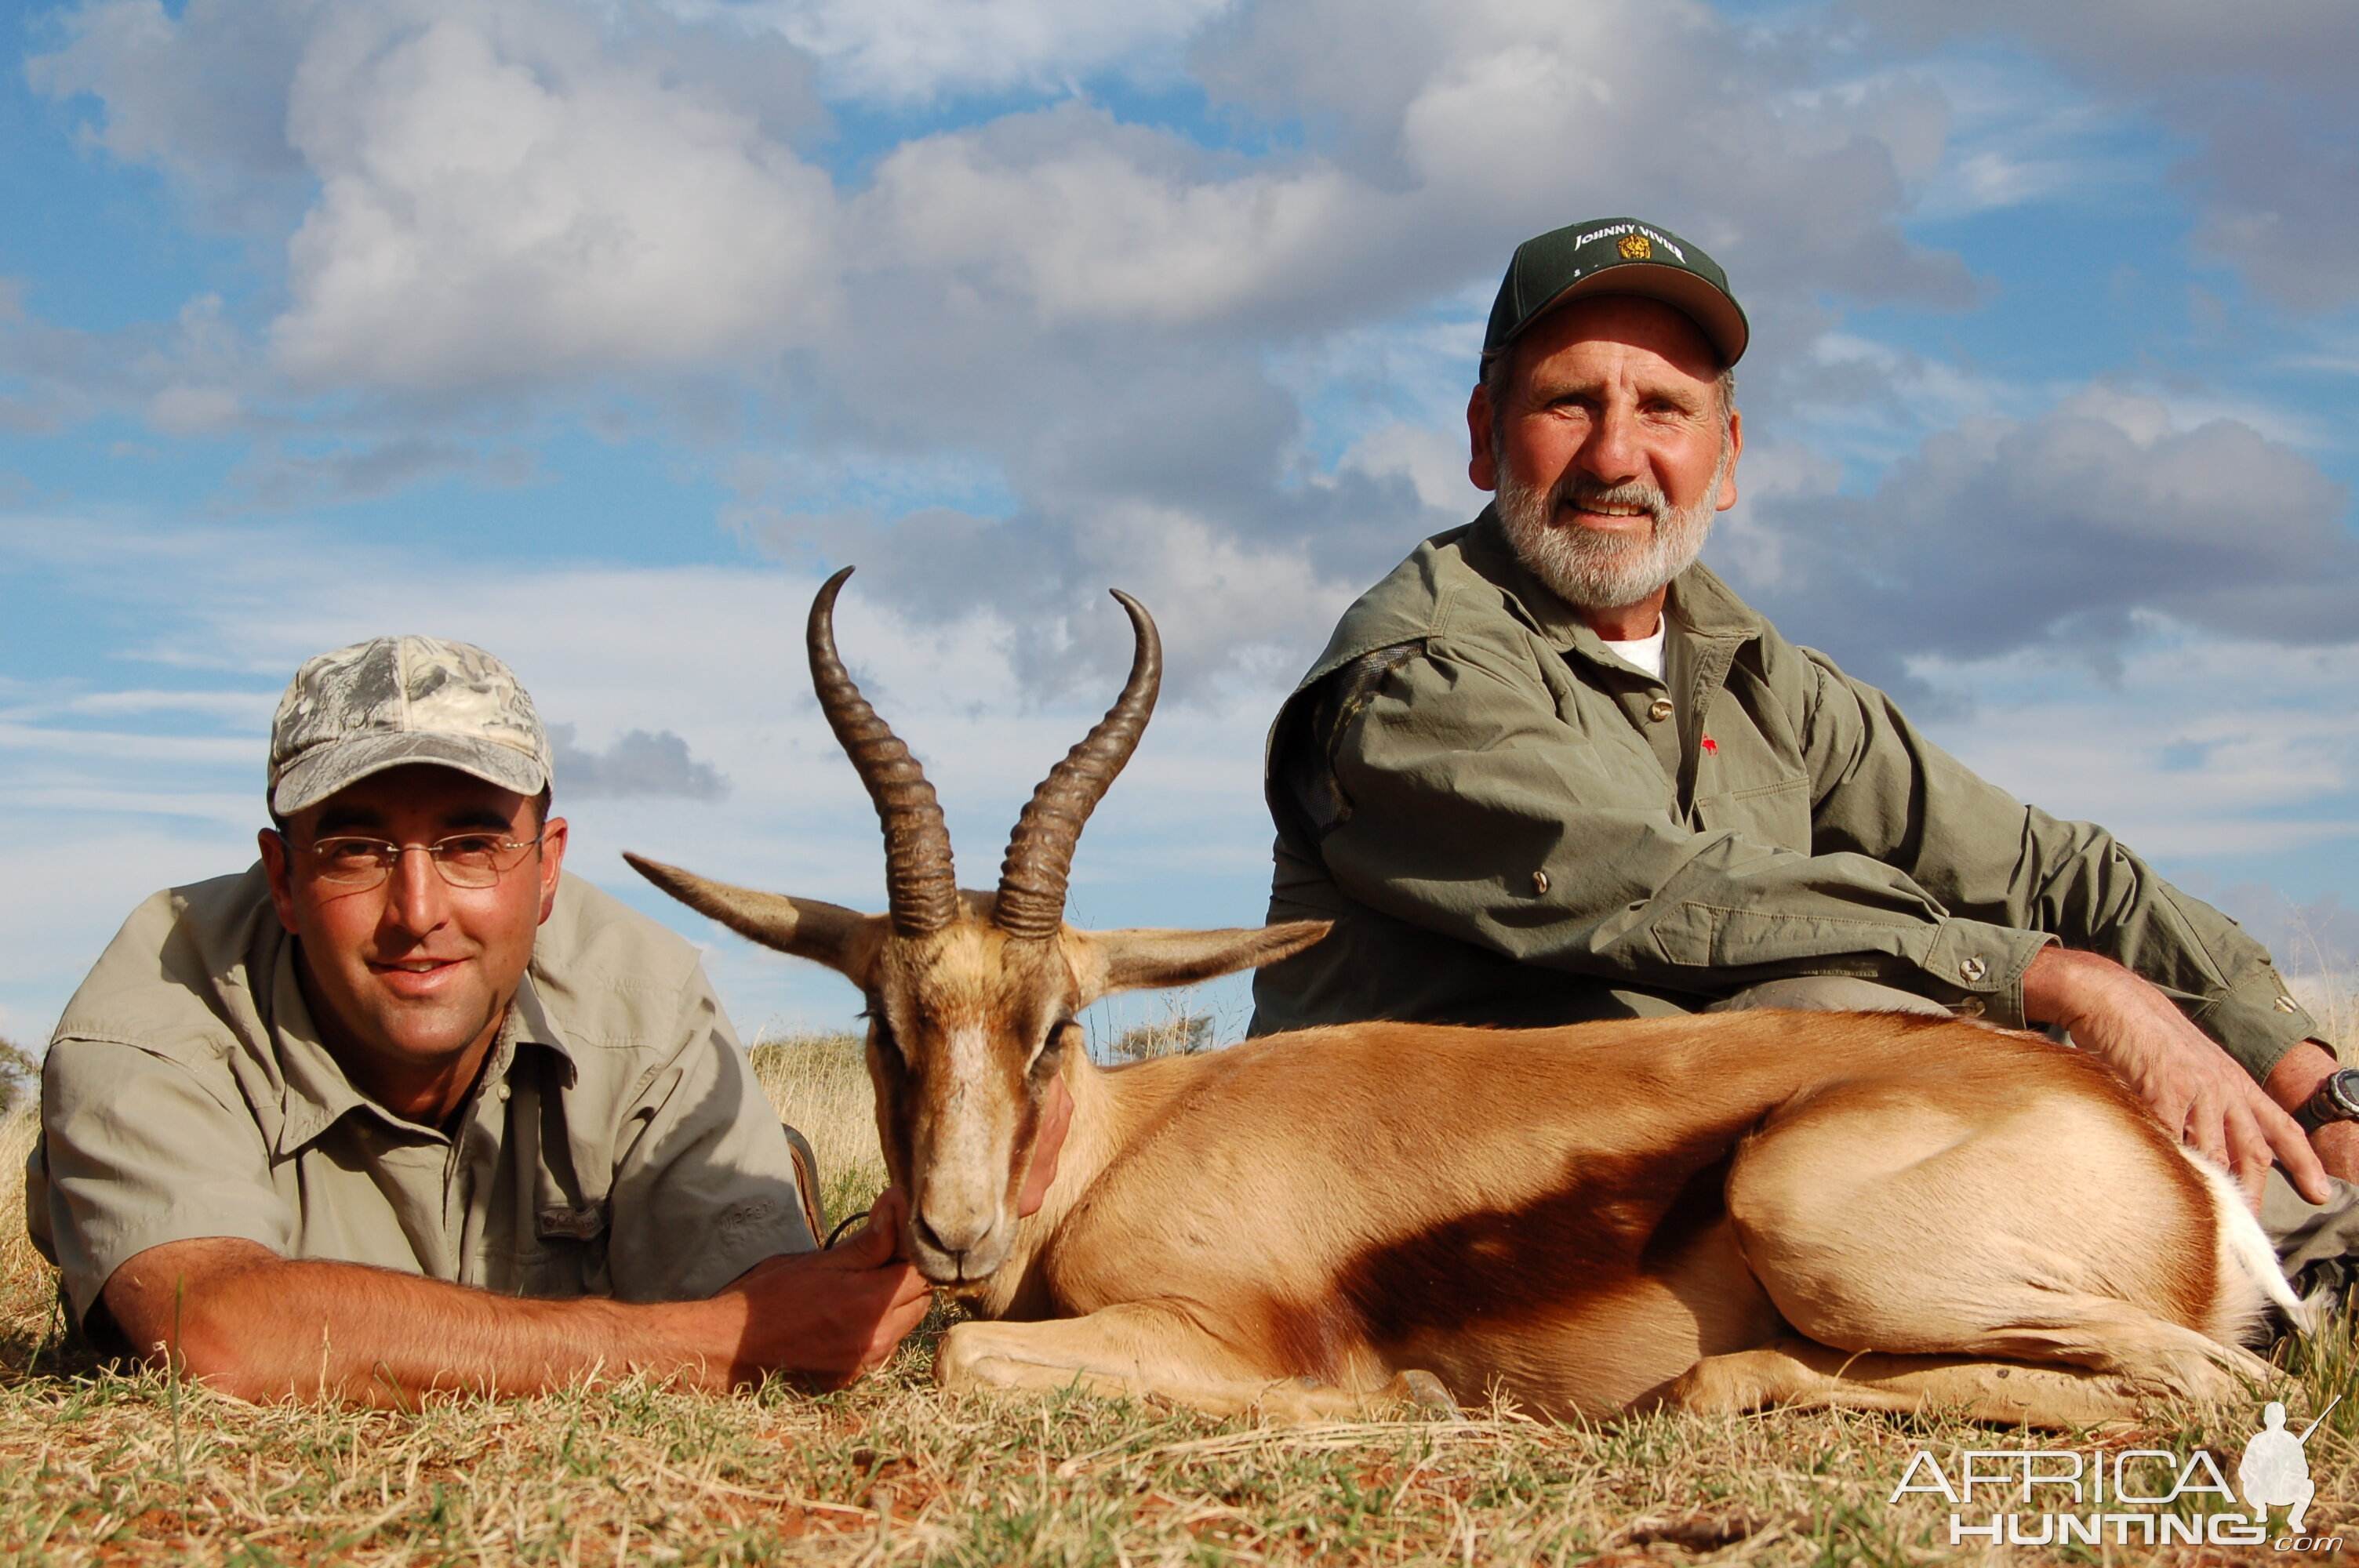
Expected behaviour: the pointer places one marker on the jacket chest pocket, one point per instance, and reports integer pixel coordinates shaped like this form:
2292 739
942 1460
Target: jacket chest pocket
1777 814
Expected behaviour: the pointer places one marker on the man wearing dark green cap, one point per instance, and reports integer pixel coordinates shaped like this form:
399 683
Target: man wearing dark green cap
1552 769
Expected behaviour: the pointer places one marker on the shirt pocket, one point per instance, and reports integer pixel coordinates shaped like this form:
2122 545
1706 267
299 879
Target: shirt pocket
1777 814
554 1267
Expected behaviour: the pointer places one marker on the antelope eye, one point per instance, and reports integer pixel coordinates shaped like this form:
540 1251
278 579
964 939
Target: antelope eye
883 1030
1051 1050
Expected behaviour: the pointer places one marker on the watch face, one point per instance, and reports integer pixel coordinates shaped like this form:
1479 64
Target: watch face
2342 1093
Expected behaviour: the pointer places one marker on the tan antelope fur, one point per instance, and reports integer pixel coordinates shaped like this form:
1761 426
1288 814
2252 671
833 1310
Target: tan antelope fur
1722 1212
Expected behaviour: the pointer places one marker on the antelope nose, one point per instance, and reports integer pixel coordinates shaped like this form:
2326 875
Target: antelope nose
954 1237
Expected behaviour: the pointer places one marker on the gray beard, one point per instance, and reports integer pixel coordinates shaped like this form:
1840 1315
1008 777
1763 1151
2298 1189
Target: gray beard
1603 571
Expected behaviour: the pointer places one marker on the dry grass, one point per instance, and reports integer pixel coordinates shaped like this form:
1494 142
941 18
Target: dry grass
100 1466
819 1084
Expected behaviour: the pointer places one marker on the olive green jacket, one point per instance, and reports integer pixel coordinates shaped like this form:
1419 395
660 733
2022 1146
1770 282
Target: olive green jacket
1510 824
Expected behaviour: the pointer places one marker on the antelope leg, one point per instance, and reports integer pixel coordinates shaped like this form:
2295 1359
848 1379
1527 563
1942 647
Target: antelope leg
1880 1215
1138 1351
1799 1372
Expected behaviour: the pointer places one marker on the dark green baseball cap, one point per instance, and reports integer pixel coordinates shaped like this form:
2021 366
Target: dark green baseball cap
1617 256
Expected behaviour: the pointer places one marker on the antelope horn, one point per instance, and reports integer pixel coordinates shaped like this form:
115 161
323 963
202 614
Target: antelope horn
920 887
1031 903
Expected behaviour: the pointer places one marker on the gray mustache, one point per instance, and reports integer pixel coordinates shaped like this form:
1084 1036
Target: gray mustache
1582 492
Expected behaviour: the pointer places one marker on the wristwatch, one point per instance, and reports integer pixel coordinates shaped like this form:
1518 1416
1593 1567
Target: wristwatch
2337 1099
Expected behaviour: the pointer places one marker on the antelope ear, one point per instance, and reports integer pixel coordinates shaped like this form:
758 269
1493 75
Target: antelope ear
1105 962
843 939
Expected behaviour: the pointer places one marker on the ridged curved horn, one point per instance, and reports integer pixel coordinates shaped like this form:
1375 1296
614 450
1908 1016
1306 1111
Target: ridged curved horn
921 886
803 926
1040 852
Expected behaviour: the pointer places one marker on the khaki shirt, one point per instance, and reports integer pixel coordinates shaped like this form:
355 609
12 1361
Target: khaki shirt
616 1143
1510 824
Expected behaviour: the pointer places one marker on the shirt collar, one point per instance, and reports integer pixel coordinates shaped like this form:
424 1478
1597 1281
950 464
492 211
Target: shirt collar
1699 605
528 1024
316 1094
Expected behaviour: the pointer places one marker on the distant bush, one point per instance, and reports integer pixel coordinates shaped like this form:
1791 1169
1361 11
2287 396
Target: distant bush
20 1074
820 1084
1182 1034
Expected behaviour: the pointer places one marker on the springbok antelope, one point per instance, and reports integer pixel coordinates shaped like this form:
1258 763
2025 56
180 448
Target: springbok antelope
1721 1212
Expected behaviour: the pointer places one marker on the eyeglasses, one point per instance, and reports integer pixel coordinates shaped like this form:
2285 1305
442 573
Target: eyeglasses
465 860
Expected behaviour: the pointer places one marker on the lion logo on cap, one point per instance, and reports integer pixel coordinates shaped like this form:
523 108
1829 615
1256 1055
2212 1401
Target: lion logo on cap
1635 247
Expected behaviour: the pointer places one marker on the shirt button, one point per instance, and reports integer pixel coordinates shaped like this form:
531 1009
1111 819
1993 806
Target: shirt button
2286 1004
1660 710
1969 1008
501 1093
1973 968
1539 882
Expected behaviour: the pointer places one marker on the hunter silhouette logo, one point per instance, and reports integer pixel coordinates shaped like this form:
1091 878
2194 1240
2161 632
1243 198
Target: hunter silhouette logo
2275 1471
1635 247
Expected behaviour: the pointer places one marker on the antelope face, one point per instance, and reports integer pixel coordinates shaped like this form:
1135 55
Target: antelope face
967 1031
972 997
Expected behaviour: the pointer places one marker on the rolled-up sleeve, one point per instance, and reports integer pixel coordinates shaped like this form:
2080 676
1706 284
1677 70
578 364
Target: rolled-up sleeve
1479 813
1887 792
142 1150
706 1188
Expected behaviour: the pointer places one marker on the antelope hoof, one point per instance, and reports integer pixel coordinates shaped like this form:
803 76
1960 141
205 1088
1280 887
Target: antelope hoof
1426 1391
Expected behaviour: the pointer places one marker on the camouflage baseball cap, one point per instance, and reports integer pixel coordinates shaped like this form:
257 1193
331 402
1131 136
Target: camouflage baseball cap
1617 256
394 700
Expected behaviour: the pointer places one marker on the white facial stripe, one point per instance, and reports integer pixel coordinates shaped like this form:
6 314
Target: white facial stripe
967 1145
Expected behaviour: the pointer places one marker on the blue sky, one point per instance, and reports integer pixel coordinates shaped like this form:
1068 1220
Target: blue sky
597 334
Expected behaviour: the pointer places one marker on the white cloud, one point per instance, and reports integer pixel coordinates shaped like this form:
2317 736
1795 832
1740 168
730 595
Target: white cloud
505 196
117 745
227 706
1050 351
636 763
2156 43
2264 90
713 658
203 94
2054 532
1084 352
522 192
85 872
2200 747
1079 219
2022 133
918 50
1495 119
1866 402
1089 352
1432 460
2205 747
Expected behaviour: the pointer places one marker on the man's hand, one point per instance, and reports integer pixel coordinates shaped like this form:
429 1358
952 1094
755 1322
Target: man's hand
826 1318
2193 1088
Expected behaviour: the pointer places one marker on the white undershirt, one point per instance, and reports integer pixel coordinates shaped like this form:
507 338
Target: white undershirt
1647 653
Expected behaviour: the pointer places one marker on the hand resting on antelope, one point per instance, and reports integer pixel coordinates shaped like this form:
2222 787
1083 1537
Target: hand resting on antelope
1722 1212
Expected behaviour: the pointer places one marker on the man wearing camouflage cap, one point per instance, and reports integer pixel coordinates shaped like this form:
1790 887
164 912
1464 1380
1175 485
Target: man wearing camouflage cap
404 1108
1551 769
